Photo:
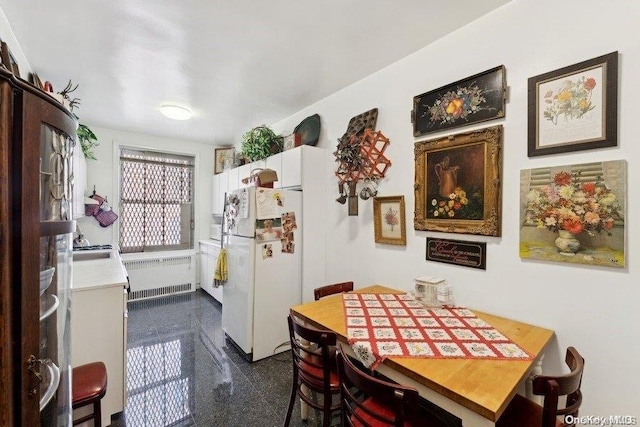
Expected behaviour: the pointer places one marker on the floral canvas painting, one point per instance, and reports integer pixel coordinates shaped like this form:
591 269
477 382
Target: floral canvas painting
574 213
470 100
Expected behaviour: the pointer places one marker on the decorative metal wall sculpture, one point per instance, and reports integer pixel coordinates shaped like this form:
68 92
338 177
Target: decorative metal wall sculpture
360 157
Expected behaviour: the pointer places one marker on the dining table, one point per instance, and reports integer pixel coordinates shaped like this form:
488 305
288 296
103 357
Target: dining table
477 391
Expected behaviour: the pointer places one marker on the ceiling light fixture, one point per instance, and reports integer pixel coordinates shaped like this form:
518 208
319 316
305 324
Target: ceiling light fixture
176 113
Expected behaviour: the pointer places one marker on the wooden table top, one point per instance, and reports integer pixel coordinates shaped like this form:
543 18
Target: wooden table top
483 386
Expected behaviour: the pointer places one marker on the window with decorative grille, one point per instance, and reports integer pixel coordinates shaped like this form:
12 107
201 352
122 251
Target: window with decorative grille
156 201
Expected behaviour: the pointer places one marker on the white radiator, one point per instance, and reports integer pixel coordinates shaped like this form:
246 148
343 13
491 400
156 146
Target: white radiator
154 277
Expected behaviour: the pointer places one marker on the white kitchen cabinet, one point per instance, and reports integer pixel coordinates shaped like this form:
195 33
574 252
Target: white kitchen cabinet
215 191
217 195
79 181
292 167
99 327
209 251
244 171
302 167
223 188
219 186
233 179
275 163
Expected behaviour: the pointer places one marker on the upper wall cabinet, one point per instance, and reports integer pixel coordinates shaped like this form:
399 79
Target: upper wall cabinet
296 168
275 163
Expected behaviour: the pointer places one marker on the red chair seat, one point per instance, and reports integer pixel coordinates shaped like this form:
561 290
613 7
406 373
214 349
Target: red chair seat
523 412
376 407
89 383
312 374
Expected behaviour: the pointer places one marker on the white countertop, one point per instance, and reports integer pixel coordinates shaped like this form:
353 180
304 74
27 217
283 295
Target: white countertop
210 242
95 273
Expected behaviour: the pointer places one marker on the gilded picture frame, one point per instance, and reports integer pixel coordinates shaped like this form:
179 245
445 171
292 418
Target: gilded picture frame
574 108
458 183
389 220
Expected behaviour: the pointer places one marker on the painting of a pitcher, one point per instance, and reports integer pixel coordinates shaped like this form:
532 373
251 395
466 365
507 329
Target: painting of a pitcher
457 182
447 177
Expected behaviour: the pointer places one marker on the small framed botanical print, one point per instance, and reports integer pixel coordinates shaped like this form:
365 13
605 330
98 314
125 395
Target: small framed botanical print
389 220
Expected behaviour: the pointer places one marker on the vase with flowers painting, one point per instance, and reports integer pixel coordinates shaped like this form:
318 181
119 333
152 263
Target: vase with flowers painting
572 206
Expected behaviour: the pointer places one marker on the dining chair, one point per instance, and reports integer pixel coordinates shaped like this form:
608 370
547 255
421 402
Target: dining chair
311 357
368 401
523 412
88 387
336 288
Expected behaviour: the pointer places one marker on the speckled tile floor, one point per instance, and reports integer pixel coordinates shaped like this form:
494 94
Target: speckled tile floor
182 372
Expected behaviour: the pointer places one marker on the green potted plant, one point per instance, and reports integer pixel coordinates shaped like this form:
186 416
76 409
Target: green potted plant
260 142
88 141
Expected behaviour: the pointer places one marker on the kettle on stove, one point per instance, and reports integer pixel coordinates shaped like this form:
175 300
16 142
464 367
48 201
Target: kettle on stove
80 241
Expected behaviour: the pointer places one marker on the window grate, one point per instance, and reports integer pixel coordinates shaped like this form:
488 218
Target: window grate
156 201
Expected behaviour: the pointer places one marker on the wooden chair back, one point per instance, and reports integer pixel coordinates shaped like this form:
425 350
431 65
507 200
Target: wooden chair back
552 387
363 396
526 413
311 354
336 288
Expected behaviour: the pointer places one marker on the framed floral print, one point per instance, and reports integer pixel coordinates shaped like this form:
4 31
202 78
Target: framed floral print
223 157
458 182
471 100
389 220
574 108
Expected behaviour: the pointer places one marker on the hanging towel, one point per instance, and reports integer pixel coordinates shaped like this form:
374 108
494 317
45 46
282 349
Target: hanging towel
220 275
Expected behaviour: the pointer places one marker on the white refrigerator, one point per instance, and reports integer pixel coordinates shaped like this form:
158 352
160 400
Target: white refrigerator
263 244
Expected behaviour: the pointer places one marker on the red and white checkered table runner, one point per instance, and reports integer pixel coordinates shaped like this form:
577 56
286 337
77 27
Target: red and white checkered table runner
383 325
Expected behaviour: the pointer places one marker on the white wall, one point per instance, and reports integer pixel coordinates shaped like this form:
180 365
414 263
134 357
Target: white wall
103 173
594 309
6 33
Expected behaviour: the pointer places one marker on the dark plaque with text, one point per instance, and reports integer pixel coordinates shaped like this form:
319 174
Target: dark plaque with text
468 254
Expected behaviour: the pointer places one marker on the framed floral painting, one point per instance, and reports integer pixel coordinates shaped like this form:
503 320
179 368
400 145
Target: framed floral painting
458 183
223 157
574 108
574 213
389 220
474 99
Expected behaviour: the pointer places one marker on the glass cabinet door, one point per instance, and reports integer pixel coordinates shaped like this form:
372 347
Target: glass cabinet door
56 177
37 137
